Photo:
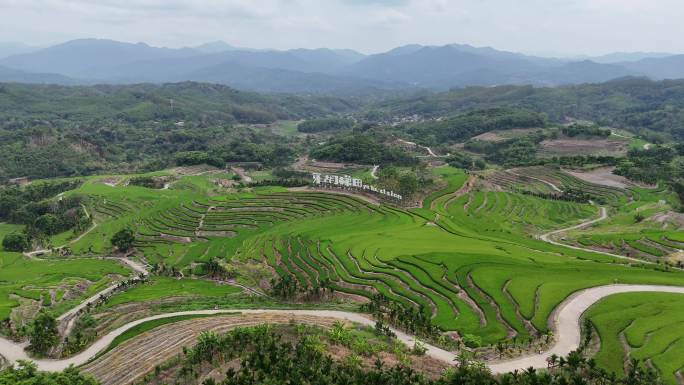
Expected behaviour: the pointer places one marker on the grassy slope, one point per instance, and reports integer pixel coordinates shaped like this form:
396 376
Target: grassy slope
31 279
164 287
416 256
652 325
489 248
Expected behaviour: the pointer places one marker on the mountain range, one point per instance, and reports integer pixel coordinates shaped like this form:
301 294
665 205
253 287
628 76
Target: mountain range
321 71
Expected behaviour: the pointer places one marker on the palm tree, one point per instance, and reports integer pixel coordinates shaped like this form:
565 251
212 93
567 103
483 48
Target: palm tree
552 360
574 360
500 348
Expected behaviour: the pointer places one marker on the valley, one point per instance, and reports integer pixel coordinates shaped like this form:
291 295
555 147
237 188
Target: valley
513 284
149 230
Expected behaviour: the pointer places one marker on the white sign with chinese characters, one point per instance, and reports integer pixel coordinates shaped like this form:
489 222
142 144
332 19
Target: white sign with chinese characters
347 181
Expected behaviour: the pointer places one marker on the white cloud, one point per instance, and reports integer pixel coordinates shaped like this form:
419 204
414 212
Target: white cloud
562 26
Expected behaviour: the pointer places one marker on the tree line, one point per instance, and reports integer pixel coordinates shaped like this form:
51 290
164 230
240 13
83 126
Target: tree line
42 217
657 164
460 128
325 125
51 131
653 109
577 129
361 148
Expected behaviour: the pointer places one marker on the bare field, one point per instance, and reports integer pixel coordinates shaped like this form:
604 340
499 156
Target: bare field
602 176
569 147
499 136
136 357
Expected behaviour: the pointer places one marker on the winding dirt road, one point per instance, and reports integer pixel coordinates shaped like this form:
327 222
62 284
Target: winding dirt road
565 321
68 319
566 325
374 171
242 174
603 215
426 148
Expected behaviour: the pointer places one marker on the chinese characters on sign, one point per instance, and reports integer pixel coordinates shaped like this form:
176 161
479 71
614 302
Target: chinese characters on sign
347 181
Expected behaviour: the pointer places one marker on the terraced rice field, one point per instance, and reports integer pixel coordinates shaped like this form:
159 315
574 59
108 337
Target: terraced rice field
620 234
462 268
516 181
162 287
562 181
52 283
131 360
201 229
650 245
649 328
468 258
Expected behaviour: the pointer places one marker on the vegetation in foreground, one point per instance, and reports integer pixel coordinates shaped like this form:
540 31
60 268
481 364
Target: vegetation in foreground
259 355
27 374
467 260
423 260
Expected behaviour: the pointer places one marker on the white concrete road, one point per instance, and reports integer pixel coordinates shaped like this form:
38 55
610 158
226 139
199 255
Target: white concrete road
566 326
565 321
603 215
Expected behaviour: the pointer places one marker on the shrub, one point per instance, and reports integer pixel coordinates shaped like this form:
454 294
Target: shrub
43 335
471 341
123 240
16 242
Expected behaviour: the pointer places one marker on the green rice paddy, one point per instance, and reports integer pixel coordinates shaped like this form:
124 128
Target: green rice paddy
33 280
164 287
472 261
645 326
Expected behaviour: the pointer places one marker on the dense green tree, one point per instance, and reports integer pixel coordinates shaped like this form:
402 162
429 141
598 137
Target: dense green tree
191 158
462 127
577 129
361 148
123 240
47 224
26 373
648 165
43 334
408 185
148 182
64 131
16 242
639 104
464 161
259 355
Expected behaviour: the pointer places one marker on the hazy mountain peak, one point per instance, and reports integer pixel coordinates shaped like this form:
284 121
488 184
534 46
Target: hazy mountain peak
89 58
405 49
214 47
412 65
622 57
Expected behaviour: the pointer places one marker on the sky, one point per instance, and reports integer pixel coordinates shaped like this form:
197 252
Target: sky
542 27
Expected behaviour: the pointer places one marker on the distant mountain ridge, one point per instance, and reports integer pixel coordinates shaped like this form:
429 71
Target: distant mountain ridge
323 70
12 48
11 75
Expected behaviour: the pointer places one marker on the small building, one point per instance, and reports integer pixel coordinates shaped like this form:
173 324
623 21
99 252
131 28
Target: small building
21 181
